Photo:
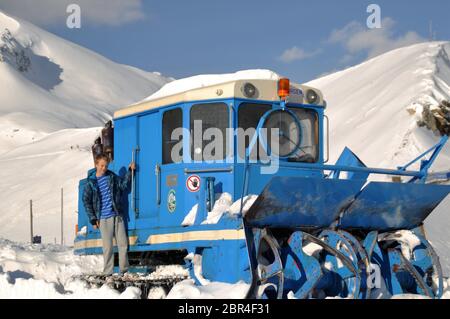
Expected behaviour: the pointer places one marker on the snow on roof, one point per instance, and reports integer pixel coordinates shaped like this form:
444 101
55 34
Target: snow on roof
205 80
213 86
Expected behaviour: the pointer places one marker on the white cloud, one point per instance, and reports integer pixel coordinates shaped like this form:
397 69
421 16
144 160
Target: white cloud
295 53
341 35
97 12
357 38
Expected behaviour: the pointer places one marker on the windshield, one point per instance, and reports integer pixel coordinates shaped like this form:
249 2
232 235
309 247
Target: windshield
308 150
301 145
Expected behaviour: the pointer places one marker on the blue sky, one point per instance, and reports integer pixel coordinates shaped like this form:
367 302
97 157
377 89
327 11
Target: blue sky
298 39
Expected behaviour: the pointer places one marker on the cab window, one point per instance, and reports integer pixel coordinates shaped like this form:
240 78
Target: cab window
249 115
172 125
208 128
309 147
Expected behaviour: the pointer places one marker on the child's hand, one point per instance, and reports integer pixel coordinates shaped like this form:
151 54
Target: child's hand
132 166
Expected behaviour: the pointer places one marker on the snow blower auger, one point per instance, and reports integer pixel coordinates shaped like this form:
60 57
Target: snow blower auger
314 231
322 238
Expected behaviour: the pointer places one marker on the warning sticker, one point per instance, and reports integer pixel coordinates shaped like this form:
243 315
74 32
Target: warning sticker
171 201
193 183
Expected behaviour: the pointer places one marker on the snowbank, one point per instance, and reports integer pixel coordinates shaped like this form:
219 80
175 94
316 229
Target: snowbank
48 271
223 205
215 290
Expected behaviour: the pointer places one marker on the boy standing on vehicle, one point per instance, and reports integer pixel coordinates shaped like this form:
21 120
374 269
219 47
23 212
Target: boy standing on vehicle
102 201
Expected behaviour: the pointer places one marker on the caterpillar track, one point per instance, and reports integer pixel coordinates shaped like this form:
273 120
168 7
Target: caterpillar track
145 282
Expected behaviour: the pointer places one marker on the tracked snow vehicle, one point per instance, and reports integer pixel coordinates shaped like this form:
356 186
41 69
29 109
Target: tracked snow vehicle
314 231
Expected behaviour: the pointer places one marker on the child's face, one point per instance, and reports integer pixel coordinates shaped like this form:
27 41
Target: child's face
101 166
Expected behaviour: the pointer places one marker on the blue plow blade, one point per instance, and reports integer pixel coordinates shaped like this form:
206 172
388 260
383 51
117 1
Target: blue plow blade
391 206
302 202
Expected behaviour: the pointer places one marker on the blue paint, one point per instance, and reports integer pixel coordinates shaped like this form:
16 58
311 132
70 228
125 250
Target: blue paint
388 206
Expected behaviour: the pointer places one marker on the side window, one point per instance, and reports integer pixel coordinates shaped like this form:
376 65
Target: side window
172 120
208 127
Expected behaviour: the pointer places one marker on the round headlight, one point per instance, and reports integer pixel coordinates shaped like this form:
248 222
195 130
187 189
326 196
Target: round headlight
312 97
249 90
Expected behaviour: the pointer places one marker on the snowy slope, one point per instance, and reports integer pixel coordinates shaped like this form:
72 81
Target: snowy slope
37 171
367 104
50 98
58 84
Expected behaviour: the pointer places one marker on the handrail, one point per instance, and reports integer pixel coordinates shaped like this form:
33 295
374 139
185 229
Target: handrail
158 184
380 171
328 139
133 183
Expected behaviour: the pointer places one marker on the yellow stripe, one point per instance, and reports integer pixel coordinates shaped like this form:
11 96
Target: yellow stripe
225 234
94 243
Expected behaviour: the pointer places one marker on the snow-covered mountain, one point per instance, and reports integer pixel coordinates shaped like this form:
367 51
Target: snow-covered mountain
54 97
49 84
374 106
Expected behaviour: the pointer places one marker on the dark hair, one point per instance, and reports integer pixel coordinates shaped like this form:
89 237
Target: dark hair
101 157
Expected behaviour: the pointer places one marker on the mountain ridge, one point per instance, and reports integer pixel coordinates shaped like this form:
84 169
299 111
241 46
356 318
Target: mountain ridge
49 83
387 94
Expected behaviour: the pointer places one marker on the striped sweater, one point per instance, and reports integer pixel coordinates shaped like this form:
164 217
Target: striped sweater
105 197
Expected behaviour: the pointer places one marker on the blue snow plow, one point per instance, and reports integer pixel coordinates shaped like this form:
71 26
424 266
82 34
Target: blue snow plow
262 206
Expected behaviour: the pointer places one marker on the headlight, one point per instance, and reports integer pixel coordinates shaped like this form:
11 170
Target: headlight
312 97
249 90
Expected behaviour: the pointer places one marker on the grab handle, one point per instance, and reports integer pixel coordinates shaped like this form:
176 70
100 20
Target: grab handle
328 139
133 183
158 184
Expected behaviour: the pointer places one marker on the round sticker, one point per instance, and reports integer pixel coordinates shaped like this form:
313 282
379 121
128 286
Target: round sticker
193 183
171 201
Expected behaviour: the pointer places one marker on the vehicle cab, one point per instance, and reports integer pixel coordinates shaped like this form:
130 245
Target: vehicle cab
194 144
193 147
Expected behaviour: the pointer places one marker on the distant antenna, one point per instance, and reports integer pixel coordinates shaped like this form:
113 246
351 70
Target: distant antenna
430 30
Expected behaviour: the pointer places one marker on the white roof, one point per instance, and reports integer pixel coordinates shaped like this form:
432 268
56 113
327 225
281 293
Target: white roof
213 86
